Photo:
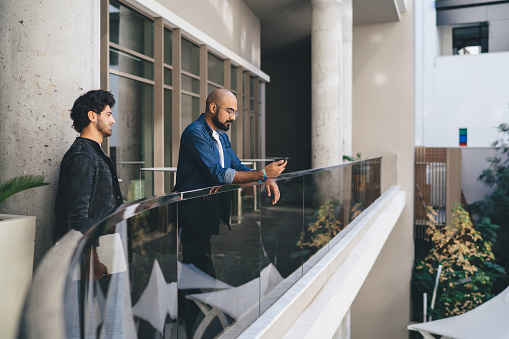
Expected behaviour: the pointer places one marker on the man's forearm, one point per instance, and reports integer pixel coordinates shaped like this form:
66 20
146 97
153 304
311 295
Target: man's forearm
247 176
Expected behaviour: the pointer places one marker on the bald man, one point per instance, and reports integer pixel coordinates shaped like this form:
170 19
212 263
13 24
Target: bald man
206 159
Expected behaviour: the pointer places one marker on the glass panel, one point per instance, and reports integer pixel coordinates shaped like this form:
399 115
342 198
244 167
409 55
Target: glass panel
233 78
281 235
168 177
215 69
318 217
251 104
190 110
190 57
166 271
168 76
168 47
126 280
251 87
190 84
130 29
128 63
252 135
233 135
226 261
131 144
210 88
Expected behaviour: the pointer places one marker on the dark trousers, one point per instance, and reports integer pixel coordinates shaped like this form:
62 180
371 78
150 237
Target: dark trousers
196 250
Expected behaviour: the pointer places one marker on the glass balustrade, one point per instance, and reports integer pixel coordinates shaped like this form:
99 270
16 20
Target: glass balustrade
166 267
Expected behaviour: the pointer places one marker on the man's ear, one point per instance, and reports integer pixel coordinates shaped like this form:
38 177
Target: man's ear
91 116
213 108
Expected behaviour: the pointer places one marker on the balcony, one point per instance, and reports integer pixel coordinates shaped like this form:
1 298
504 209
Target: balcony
298 268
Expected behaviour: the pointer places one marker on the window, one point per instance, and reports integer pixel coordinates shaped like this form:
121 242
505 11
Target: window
131 75
161 75
470 40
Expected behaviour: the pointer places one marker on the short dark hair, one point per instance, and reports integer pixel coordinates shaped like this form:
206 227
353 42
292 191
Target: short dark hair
94 101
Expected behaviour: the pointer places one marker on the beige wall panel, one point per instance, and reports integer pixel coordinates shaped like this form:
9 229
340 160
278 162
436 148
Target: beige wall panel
383 124
229 22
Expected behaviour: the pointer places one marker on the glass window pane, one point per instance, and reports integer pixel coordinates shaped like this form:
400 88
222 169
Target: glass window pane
131 29
167 47
167 76
128 63
190 110
251 87
234 78
190 84
215 69
131 144
190 57
251 104
168 177
210 88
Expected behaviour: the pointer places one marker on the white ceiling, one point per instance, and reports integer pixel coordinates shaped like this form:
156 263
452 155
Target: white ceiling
284 22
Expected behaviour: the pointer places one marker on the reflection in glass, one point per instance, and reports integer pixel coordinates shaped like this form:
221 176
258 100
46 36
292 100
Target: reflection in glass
215 69
233 78
319 217
190 57
130 29
190 84
172 269
167 47
168 177
131 143
168 76
210 88
190 110
128 63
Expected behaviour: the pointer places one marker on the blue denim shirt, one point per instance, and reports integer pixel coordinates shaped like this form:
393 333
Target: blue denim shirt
199 165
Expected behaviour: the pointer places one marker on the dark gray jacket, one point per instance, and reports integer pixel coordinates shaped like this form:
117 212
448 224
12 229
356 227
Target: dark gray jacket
88 188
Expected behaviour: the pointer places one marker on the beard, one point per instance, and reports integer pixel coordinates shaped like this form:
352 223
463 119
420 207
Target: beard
103 128
219 124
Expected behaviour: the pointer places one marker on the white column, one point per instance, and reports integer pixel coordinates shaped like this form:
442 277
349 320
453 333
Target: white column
49 55
326 83
346 108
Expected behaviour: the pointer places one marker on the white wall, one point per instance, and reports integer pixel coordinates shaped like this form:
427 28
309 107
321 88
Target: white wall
469 91
473 162
383 123
229 22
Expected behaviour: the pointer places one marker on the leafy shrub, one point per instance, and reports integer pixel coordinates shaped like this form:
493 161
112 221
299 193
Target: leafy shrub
467 259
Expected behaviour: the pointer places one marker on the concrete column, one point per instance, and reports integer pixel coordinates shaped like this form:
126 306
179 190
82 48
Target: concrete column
346 104
326 83
49 55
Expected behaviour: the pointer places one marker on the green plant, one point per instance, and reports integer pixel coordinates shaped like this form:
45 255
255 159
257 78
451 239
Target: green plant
352 158
324 228
468 268
20 183
494 207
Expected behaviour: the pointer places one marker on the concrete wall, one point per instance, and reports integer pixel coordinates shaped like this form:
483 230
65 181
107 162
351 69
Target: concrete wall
383 122
49 55
229 22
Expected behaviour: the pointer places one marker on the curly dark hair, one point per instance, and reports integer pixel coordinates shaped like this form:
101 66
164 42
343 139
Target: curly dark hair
94 101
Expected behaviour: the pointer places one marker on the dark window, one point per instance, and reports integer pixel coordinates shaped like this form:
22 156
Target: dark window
470 40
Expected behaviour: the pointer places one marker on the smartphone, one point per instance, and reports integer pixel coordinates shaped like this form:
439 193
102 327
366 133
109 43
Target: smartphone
285 159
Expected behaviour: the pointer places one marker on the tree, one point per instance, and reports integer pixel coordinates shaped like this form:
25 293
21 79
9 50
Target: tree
494 207
468 268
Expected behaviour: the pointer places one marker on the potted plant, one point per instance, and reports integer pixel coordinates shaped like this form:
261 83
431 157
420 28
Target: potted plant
17 237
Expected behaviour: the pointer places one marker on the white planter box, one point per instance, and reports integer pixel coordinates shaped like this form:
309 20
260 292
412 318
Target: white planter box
17 237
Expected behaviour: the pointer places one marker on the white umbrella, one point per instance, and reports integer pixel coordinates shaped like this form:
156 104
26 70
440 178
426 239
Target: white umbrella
489 320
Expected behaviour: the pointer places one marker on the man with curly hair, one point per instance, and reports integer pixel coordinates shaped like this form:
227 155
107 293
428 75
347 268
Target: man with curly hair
88 188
